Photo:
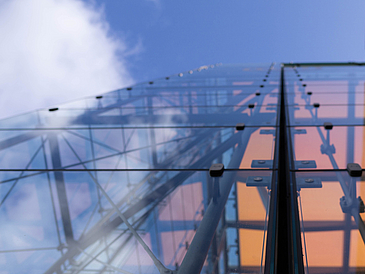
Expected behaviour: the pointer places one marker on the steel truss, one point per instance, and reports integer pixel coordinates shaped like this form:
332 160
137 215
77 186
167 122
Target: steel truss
106 240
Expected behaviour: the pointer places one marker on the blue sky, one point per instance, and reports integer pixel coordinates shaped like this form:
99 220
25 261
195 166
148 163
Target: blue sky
179 35
55 51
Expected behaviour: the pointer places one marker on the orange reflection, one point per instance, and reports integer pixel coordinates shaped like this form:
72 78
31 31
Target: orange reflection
259 147
251 247
325 248
308 146
251 210
357 250
322 204
250 206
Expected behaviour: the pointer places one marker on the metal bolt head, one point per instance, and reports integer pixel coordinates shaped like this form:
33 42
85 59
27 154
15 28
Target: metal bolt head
257 179
310 180
305 162
261 161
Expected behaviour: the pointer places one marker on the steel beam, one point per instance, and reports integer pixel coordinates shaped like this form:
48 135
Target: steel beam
61 188
159 193
199 247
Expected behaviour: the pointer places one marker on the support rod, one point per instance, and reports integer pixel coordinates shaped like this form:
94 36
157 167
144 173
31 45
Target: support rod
61 188
199 247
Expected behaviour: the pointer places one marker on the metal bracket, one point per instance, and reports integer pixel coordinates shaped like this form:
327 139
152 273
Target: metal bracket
267 131
257 181
271 107
269 164
346 206
309 183
305 164
300 131
361 205
328 149
262 163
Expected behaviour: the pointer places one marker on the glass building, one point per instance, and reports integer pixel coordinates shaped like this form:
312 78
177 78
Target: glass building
221 169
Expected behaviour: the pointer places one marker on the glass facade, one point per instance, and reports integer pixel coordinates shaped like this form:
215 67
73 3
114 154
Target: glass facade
221 169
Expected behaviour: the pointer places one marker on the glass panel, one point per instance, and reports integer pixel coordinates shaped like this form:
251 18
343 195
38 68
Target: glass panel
230 116
252 110
253 222
165 208
330 149
71 173
331 215
336 114
138 148
323 99
178 98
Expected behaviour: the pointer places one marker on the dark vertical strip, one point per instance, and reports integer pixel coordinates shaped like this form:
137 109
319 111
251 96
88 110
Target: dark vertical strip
61 188
294 238
284 256
283 252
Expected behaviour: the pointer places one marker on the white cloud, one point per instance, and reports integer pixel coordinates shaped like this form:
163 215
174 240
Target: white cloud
54 51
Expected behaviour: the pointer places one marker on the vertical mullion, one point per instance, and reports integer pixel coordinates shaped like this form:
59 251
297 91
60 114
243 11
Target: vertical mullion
283 249
295 240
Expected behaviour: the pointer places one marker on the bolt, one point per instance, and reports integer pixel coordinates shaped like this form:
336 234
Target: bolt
310 180
305 162
261 161
257 179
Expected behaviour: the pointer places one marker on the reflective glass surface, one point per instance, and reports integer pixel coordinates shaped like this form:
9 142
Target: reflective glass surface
326 113
139 179
36 234
330 149
331 214
325 94
136 148
121 182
